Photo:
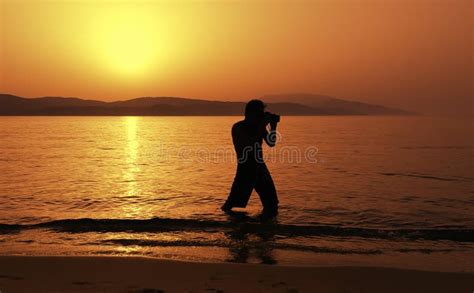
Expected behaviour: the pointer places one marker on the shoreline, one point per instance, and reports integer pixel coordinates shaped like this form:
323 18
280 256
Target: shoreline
145 274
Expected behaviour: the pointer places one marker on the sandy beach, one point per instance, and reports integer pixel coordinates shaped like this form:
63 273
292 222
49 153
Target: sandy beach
136 274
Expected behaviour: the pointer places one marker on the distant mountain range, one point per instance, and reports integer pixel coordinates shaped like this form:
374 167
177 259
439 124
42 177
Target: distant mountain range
290 104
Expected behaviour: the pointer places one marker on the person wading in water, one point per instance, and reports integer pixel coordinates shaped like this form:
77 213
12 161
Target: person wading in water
252 173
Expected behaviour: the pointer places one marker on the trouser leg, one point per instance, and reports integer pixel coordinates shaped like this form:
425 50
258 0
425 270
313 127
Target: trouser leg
266 189
241 189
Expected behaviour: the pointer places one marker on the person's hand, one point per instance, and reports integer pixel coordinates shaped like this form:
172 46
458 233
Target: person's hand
273 124
265 120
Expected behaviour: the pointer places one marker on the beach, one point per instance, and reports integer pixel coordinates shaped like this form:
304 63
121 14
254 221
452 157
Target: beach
140 274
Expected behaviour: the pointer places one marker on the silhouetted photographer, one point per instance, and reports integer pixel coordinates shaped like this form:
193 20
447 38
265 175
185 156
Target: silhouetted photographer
248 136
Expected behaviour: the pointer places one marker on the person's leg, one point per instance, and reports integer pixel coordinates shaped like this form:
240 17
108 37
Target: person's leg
266 191
241 190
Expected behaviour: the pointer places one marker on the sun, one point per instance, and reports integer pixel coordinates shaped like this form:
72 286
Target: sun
128 41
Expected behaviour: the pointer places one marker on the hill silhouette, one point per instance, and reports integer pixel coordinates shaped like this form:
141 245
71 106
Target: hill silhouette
335 105
297 104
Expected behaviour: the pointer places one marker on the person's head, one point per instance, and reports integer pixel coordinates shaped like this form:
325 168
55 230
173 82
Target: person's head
254 111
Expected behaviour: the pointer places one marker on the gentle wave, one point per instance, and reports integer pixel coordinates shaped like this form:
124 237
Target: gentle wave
245 225
423 176
266 245
226 244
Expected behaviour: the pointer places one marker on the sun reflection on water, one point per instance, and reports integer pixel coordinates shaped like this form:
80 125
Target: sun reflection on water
132 167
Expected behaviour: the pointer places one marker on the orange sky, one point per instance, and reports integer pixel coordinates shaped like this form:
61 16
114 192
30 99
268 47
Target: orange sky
411 54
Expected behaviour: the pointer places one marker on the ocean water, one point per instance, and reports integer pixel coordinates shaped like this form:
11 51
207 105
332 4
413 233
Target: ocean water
387 191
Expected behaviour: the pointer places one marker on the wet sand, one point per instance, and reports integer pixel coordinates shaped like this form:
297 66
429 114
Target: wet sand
137 274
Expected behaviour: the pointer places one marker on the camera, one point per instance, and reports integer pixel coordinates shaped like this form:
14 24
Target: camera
272 117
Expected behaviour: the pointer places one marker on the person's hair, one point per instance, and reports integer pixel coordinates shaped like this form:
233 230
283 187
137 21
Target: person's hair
254 106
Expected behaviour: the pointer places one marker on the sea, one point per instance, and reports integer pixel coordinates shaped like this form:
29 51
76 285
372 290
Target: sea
388 191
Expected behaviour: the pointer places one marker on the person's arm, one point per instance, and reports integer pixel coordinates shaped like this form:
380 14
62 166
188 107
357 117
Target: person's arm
270 137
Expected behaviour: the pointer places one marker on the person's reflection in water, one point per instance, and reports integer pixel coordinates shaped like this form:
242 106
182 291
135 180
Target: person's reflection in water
247 243
247 136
